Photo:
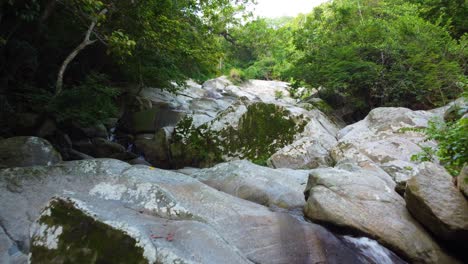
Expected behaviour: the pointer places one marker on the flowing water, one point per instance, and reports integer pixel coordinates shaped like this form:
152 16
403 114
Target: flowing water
369 251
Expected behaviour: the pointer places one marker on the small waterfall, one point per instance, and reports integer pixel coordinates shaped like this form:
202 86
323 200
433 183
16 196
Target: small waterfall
371 250
111 136
130 147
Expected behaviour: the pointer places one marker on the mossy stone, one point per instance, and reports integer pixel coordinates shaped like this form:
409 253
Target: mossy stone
261 131
84 240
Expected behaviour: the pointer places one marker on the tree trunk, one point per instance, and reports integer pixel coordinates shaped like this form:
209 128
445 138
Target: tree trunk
86 42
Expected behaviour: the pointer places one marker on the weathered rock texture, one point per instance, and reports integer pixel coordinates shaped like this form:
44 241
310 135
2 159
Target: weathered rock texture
270 187
363 200
150 215
219 121
27 151
463 181
436 203
387 138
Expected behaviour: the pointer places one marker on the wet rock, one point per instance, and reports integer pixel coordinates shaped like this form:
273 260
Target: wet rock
84 146
27 151
99 148
139 161
156 149
161 215
95 131
363 201
436 203
76 155
104 148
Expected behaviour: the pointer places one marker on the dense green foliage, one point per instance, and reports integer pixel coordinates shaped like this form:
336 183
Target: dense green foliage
262 48
99 104
135 43
359 53
378 53
448 13
452 147
367 53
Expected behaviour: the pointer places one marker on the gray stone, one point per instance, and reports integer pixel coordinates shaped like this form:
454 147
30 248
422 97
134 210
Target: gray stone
156 150
104 148
358 199
9 251
76 155
312 148
435 202
270 187
27 151
95 131
170 216
217 84
463 180
387 138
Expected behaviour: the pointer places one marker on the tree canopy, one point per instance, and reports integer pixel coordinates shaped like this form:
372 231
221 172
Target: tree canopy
135 43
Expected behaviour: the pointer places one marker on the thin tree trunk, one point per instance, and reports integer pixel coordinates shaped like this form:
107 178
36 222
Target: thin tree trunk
86 42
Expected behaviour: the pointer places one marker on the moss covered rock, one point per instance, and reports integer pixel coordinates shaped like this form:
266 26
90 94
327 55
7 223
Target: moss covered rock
27 151
252 131
66 234
106 211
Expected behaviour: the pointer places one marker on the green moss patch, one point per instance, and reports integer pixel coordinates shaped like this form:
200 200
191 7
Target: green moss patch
85 240
262 130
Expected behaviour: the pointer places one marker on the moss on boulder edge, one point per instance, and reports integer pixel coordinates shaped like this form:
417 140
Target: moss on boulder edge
65 234
247 131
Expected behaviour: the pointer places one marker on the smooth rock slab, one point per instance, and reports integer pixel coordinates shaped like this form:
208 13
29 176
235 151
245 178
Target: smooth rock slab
436 203
357 199
132 199
266 186
70 230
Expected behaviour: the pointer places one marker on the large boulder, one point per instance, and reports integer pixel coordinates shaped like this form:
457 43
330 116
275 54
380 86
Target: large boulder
462 180
388 136
155 148
270 187
255 131
362 200
436 203
245 130
312 147
27 151
99 148
150 215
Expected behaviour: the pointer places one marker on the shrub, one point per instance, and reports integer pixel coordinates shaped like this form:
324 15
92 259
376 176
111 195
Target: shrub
278 94
88 103
236 76
452 149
